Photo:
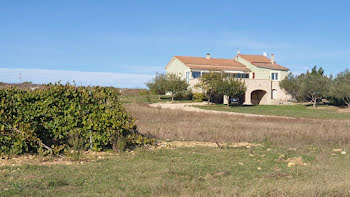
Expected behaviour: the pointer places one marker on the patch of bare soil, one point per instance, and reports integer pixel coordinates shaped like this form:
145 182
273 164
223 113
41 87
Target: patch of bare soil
87 156
181 144
293 161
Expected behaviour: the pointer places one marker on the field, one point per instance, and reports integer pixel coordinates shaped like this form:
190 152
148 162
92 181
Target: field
181 125
298 157
259 171
299 110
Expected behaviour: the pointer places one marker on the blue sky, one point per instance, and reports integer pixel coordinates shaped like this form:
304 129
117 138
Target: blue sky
123 43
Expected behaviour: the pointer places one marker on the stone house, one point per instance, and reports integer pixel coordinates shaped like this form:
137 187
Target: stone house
260 74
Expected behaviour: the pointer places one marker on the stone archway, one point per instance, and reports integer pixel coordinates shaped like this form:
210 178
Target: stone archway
257 96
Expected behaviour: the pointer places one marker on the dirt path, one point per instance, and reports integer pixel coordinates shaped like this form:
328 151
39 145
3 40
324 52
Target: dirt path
189 107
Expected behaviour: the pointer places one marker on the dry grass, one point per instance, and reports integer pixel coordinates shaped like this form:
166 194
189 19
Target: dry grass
182 125
201 169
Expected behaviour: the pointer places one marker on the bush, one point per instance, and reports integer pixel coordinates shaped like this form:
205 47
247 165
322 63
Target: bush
144 92
198 97
184 95
55 115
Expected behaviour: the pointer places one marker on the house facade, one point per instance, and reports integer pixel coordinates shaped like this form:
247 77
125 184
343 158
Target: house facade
260 74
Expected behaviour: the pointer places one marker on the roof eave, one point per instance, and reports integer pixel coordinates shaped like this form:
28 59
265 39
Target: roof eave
172 59
284 69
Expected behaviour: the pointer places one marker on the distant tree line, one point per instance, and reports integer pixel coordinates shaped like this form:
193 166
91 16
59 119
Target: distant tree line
314 86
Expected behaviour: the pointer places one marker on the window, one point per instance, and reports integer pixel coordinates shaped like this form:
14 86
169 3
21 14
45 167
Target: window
187 77
239 76
274 76
245 75
196 75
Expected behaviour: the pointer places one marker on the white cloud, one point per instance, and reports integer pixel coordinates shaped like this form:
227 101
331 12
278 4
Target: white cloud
41 76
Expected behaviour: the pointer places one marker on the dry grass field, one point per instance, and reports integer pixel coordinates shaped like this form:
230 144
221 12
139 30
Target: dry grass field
286 157
184 125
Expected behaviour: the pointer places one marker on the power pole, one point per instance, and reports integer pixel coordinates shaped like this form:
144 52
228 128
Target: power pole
20 77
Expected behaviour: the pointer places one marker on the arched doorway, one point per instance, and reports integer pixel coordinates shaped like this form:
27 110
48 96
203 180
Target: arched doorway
256 96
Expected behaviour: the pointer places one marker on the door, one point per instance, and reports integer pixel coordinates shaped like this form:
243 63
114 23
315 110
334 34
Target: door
274 94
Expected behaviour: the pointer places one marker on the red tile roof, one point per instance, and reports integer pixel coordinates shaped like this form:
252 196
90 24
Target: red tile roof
262 61
212 63
244 69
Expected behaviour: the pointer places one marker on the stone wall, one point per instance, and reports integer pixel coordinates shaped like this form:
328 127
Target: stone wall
255 86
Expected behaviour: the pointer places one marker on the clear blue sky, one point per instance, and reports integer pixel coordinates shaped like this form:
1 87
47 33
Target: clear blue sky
119 38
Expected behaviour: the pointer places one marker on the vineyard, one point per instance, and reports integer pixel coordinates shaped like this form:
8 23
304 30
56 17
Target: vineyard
60 118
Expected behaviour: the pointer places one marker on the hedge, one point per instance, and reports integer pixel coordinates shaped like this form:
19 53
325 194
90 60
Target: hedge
46 120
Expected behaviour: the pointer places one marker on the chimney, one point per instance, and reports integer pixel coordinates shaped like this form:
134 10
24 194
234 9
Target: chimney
238 52
272 58
208 56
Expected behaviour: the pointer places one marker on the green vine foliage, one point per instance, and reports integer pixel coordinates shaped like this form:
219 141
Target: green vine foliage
52 114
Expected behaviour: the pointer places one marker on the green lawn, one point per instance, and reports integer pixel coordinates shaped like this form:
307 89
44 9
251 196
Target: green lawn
256 171
302 111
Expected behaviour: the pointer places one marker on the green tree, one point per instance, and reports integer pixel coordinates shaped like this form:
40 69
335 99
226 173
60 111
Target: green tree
341 87
174 84
158 84
210 84
292 85
232 87
315 85
312 86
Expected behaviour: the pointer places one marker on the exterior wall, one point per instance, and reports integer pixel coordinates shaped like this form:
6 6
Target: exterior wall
177 67
281 95
261 73
192 84
268 86
257 84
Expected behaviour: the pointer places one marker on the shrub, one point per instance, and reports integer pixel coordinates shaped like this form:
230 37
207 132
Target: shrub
184 95
198 97
55 115
144 92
